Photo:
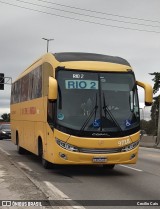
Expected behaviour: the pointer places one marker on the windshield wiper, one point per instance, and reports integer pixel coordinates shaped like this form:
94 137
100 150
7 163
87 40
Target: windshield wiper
107 111
94 111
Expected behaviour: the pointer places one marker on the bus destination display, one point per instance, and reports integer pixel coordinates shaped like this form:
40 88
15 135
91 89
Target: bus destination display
81 84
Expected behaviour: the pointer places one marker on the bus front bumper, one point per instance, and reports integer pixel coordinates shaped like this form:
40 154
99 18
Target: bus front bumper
63 156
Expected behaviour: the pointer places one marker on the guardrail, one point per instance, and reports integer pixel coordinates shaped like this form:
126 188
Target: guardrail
148 141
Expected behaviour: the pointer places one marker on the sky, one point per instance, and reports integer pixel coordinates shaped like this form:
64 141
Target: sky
124 28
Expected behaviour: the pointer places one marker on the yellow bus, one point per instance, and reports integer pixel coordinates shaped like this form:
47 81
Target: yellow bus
78 108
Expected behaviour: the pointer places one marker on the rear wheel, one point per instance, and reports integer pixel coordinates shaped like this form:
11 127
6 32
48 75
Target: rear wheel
20 150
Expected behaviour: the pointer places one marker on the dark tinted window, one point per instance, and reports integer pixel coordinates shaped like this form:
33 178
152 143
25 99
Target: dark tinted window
35 87
24 88
77 56
28 87
15 93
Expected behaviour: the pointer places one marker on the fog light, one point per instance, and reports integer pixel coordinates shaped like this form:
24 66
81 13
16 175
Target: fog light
132 156
62 155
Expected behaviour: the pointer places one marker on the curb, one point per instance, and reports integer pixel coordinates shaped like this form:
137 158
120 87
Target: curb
50 196
28 176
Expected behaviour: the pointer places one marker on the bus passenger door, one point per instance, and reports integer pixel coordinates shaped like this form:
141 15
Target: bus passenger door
50 130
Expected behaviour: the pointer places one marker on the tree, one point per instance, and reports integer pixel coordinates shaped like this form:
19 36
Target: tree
148 127
6 117
156 80
155 105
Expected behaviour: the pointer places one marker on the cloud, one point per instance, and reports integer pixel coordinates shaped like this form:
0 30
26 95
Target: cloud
22 31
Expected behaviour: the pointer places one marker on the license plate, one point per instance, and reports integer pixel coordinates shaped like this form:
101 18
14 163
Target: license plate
99 159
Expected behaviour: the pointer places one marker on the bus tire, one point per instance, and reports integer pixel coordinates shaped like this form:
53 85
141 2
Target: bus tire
45 163
20 150
109 166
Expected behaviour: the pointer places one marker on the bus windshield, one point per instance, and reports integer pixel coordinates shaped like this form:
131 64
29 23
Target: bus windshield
97 104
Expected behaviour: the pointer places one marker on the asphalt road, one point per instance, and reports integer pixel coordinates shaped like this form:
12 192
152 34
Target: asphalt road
140 182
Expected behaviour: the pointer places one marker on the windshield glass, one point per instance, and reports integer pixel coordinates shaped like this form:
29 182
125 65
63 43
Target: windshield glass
5 126
97 102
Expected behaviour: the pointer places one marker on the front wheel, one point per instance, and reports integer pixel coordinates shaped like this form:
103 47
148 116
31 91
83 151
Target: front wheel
45 163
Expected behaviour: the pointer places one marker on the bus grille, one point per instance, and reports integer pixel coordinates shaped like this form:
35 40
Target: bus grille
100 151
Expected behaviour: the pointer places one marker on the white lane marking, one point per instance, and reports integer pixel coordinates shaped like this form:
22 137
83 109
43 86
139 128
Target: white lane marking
131 168
24 166
56 190
2 173
4 151
60 194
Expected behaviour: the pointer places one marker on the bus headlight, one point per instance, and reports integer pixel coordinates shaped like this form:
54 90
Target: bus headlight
67 146
130 146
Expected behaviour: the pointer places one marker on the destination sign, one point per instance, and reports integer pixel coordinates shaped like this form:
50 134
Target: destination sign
81 84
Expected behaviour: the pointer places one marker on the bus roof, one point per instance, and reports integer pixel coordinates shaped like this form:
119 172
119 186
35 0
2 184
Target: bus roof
79 56
82 60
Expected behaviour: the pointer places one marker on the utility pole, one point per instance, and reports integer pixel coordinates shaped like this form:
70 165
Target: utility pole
48 40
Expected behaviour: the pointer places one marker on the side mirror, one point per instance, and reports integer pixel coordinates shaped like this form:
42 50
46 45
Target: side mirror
52 90
148 92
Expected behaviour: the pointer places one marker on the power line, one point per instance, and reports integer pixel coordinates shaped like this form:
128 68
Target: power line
98 12
80 20
86 15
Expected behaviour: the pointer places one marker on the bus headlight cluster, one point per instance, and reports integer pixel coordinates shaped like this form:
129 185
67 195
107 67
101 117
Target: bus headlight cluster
130 146
67 146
